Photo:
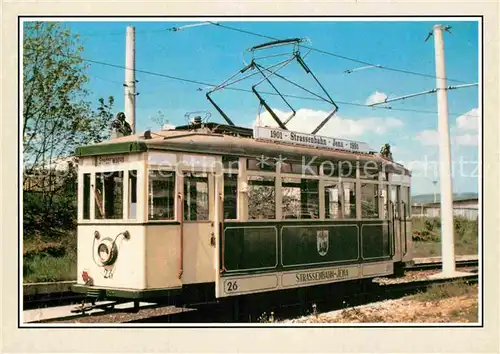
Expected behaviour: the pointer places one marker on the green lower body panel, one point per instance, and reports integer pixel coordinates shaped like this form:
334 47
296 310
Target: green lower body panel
375 241
319 244
262 247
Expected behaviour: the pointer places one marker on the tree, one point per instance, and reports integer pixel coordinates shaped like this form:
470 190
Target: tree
57 113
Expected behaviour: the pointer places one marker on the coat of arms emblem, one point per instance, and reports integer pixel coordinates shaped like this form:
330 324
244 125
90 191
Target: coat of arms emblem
322 242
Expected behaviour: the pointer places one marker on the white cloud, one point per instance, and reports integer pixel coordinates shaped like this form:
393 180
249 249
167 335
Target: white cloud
428 137
376 97
467 139
307 119
469 121
431 138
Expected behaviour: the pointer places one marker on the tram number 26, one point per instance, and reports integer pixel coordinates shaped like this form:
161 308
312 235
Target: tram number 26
231 286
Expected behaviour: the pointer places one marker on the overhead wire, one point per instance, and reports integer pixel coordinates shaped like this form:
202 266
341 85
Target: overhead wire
384 67
191 81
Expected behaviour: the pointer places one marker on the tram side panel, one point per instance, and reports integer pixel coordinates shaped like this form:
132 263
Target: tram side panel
165 268
162 256
111 256
258 257
198 253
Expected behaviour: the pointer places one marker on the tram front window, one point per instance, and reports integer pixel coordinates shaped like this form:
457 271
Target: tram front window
86 196
132 194
109 195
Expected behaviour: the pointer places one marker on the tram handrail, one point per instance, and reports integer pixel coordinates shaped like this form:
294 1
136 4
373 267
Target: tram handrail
393 228
181 233
404 222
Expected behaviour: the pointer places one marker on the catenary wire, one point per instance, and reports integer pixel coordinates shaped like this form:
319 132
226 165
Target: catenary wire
152 73
336 55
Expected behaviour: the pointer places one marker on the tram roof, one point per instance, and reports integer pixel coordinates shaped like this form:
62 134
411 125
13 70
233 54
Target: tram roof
221 141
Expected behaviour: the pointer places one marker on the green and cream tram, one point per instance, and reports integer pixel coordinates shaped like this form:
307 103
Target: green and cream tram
233 211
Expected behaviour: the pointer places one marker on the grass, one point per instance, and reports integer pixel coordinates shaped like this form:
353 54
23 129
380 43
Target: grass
427 236
52 259
49 268
465 314
433 249
447 303
442 291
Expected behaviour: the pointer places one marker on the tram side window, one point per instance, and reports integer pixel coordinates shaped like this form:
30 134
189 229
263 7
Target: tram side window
195 196
347 169
299 168
161 190
394 201
405 198
132 194
369 201
86 196
349 200
385 201
367 172
109 195
230 196
263 164
261 198
300 198
408 202
231 163
333 204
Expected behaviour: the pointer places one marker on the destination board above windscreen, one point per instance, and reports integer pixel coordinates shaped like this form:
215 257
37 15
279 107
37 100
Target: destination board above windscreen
287 136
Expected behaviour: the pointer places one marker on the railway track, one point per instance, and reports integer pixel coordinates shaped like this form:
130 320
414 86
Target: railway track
46 295
224 312
293 310
438 265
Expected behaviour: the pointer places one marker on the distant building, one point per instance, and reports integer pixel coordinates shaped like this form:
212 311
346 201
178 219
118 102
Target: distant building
50 177
466 208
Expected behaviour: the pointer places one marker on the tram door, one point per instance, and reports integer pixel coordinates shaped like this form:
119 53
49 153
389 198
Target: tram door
395 215
197 223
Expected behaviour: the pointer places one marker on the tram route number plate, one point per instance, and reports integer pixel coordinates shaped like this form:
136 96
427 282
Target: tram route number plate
238 285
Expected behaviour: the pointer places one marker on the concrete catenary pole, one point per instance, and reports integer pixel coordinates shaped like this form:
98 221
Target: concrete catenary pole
130 93
445 178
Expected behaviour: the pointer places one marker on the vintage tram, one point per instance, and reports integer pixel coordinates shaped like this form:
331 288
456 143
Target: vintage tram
227 211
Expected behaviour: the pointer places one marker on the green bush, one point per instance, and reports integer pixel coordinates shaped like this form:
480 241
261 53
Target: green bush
43 217
427 236
429 229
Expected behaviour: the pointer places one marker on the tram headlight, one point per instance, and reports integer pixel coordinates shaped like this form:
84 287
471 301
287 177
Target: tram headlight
104 252
107 251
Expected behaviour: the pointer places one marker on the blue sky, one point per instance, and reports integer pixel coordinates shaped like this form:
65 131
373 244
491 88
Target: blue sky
211 54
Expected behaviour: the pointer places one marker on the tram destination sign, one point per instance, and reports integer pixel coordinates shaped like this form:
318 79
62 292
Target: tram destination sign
109 160
287 136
